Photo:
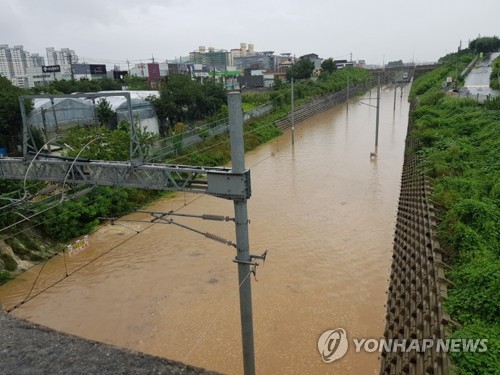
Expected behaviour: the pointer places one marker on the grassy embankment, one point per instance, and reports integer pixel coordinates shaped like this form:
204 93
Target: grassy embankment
460 146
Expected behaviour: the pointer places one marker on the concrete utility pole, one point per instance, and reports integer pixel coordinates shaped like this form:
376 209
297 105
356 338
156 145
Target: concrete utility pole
293 116
347 95
378 114
243 257
395 90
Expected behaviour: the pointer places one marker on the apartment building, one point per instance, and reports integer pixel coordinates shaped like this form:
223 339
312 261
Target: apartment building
13 64
5 61
24 69
65 56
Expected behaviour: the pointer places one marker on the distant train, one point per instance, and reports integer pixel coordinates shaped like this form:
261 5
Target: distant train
402 77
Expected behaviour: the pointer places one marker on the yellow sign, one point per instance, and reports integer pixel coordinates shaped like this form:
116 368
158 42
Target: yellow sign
78 246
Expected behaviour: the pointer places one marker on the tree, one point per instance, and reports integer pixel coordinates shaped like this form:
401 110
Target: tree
302 69
328 65
183 99
81 85
105 113
136 83
10 113
485 44
213 97
109 84
278 83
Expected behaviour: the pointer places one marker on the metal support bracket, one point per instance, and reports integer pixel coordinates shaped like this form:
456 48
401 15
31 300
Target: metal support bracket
229 185
263 256
249 262
255 264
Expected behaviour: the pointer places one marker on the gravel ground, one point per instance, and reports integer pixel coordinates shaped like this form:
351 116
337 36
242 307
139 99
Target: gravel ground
28 348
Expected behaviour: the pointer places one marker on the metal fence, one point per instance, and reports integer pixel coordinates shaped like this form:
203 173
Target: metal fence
321 104
172 145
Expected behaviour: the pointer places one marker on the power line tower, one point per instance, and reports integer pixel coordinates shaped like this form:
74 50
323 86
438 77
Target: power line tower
227 183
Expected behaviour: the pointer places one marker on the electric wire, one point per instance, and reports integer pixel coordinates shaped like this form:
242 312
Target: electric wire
95 230
34 158
201 150
66 273
216 316
41 203
214 320
110 194
225 141
207 126
70 169
28 298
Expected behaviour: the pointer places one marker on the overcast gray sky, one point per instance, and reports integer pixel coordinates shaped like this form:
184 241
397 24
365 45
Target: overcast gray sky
112 31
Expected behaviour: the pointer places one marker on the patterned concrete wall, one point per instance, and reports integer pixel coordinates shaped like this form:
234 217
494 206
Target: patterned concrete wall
417 282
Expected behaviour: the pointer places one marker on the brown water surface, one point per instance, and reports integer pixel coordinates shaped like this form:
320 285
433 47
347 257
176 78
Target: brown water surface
325 211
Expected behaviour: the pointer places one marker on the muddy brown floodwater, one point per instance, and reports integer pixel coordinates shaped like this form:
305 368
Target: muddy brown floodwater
322 208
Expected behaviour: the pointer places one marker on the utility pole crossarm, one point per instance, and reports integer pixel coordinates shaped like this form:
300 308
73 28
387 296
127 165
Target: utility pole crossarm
219 182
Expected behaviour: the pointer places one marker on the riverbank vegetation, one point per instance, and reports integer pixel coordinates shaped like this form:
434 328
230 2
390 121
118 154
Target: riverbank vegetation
459 142
61 216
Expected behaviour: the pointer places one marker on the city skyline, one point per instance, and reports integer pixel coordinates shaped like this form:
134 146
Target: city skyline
116 32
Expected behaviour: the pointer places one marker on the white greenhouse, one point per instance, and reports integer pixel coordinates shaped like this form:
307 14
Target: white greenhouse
55 115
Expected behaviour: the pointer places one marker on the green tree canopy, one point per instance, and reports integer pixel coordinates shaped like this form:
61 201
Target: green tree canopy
10 112
183 99
328 65
136 83
485 44
81 85
105 113
302 69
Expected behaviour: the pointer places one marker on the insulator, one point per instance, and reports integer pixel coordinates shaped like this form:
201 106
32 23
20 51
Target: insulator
215 217
218 239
